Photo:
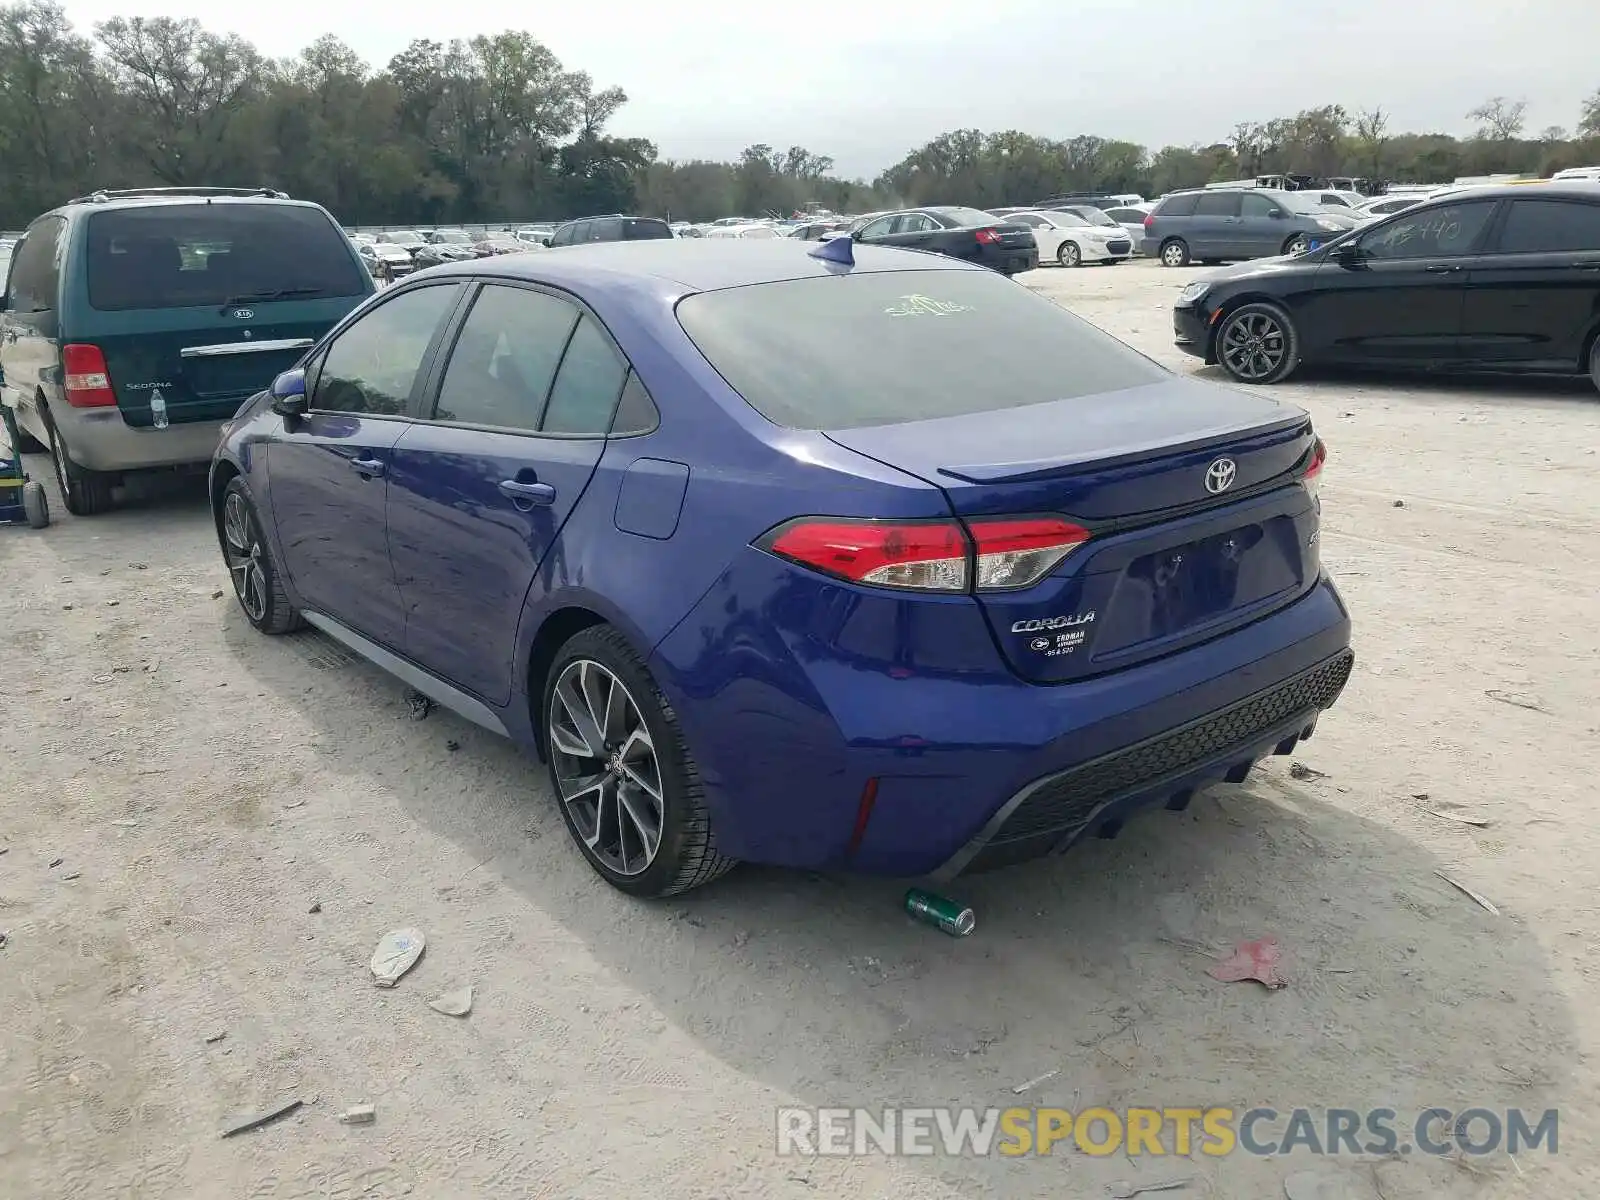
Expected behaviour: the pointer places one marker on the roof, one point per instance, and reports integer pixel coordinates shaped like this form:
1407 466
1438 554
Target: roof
692 264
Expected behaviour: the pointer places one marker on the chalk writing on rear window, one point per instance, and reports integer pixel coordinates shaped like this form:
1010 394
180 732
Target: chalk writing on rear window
925 306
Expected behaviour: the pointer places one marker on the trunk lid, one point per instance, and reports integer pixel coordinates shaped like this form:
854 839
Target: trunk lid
203 361
1170 563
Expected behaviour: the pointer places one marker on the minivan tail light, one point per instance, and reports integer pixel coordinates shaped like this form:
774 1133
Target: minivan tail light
1149 220
1313 473
987 554
85 378
988 237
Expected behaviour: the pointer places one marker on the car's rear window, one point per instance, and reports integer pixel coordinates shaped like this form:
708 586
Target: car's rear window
636 229
181 255
840 352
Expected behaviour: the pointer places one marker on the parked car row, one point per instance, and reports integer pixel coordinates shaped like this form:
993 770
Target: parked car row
1494 279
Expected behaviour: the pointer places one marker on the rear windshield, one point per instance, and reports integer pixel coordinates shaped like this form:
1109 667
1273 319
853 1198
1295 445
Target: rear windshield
840 352
180 255
967 216
635 229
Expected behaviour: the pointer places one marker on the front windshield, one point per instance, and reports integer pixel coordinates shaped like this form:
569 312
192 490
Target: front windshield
1093 216
451 235
1066 220
1302 202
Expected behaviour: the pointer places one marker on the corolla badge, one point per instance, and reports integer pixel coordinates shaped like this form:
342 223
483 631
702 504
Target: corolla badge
1220 475
244 314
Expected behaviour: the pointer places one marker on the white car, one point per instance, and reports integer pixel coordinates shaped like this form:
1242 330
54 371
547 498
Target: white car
1382 206
1071 240
743 232
1131 217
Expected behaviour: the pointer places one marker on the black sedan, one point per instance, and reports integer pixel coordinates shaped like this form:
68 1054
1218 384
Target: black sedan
969 233
1494 279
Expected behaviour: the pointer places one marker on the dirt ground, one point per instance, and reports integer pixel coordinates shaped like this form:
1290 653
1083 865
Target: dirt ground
205 788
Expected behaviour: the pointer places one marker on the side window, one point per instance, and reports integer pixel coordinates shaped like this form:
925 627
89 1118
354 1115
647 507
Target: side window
1436 232
34 270
586 389
1256 206
371 366
504 359
1179 206
1217 204
605 229
636 412
878 228
1551 226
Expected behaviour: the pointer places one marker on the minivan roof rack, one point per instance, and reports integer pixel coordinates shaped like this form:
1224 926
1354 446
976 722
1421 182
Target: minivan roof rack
105 194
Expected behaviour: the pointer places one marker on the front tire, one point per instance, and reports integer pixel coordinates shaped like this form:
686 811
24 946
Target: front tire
85 492
256 582
1257 343
1174 253
1298 244
621 770
1068 254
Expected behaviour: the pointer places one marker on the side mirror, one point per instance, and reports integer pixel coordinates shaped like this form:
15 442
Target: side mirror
289 397
1277 214
1347 253
546 241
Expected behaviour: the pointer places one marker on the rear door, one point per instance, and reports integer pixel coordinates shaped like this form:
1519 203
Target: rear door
482 485
1215 228
203 304
1534 300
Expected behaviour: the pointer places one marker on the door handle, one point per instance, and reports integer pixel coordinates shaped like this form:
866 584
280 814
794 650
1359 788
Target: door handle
369 466
1440 270
531 495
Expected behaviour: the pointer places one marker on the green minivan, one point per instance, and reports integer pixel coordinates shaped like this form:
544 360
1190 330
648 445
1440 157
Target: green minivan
136 322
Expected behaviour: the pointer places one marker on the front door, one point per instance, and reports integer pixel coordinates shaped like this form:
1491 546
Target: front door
481 487
1398 300
327 471
1533 301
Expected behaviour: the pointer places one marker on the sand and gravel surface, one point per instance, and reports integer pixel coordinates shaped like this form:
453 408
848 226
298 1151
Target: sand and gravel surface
205 788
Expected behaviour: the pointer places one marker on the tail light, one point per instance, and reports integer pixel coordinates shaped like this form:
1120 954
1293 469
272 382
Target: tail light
87 382
989 554
988 237
1313 474
1149 220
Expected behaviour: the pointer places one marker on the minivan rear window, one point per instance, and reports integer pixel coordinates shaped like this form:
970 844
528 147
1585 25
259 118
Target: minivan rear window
880 348
1178 206
183 255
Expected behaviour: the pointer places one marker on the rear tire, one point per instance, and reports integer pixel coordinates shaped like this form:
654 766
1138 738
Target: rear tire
1068 255
1174 253
257 585
1594 362
35 504
606 790
86 493
1257 344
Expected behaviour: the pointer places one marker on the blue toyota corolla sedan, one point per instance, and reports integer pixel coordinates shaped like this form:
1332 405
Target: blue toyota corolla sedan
814 555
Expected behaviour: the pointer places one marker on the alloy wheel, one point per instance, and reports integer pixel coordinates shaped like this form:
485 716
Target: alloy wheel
244 557
1173 255
1298 245
1253 346
1069 254
606 767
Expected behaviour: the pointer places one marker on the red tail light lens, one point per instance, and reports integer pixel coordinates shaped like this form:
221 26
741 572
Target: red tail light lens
1313 476
929 556
86 380
1149 220
988 237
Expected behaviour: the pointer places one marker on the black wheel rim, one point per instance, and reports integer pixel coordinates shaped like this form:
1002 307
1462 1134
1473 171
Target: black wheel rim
1253 345
242 546
606 767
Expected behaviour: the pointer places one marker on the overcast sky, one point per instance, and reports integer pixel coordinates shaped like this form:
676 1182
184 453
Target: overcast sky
865 83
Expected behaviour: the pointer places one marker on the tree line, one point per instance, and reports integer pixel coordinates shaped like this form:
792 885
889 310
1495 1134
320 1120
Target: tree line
496 128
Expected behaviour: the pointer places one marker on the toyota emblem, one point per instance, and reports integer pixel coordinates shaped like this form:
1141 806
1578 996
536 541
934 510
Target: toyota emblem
1220 475
244 314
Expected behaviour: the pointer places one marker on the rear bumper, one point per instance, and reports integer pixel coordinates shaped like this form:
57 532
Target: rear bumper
835 695
99 440
1009 260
